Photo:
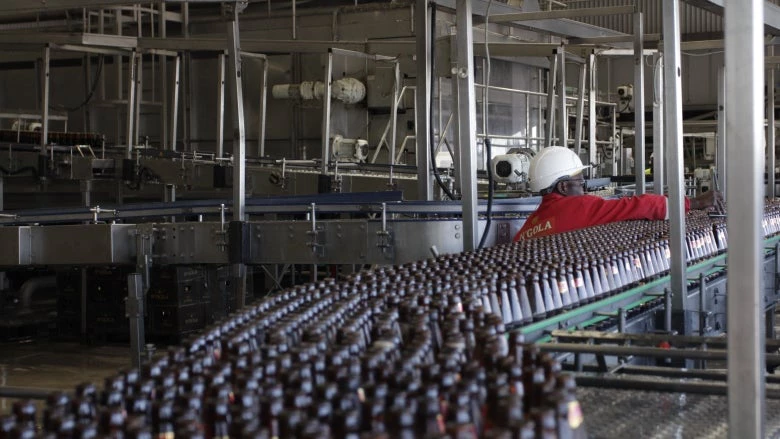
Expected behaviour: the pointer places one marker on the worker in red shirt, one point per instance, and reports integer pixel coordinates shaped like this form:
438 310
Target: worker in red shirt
556 173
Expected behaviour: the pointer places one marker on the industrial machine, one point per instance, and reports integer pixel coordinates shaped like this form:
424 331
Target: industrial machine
512 168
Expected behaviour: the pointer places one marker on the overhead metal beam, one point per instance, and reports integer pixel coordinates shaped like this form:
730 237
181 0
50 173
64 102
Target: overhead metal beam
561 13
563 27
84 49
612 39
394 48
771 12
650 43
517 49
85 39
278 46
38 6
627 52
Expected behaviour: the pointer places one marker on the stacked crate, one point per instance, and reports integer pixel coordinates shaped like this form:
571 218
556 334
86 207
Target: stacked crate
178 301
220 286
69 302
106 294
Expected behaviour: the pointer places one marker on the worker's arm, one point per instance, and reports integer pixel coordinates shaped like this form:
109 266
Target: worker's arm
649 207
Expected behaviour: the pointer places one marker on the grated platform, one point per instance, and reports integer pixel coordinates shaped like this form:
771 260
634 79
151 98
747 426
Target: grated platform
613 413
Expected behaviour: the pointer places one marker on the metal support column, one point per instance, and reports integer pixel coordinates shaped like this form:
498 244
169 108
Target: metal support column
169 196
659 154
467 124
592 94
134 309
639 103
118 60
745 61
394 115
139 91
86 110
720 147
221 107
770 126
326 115
131 104
187 82
83 293
552 79
580 109
86 201
163 29
45 103
175 109
615 141
563 117
86 193
673 137
423 26
263 109
239 147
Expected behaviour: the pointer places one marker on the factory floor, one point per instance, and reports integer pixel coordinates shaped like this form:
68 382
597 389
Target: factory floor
56 365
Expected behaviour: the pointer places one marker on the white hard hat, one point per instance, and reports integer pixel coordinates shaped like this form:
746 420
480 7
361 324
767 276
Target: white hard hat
551 164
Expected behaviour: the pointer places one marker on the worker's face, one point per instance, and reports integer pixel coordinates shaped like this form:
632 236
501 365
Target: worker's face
573 186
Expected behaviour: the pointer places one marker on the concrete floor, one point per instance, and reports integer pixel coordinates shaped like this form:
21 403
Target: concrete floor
57 365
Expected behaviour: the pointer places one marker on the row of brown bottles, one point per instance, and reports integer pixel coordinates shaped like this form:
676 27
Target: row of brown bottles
332 360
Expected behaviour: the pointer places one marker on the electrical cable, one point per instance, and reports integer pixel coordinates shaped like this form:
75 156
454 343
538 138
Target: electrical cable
488 148
432 139
91 91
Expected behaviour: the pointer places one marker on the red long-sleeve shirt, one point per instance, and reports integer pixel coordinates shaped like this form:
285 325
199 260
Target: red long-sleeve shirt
559 214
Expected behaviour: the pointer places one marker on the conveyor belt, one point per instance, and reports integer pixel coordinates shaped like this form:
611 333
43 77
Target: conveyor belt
356 203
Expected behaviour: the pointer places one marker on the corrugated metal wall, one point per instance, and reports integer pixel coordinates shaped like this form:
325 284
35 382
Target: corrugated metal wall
692 20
